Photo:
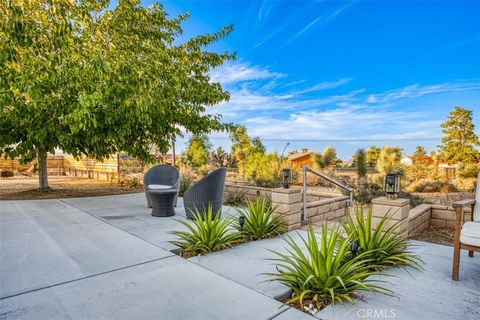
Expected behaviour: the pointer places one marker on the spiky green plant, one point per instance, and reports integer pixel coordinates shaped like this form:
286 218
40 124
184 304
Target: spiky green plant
318 272
387 245
208 233
260 222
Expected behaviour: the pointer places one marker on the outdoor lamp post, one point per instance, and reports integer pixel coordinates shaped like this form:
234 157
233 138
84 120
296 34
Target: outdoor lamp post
286 177
392 184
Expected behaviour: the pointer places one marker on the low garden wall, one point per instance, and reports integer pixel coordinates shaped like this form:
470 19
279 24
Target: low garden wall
442 198
251 192
323 210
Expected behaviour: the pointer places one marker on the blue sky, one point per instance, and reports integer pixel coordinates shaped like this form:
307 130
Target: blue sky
343 73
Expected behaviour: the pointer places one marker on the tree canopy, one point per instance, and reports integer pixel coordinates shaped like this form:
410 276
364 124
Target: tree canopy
361 163
389 160
326 159
94 81
460 143
198 150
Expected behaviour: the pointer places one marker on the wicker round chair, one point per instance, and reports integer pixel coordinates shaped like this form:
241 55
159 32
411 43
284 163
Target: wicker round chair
206 192
162 175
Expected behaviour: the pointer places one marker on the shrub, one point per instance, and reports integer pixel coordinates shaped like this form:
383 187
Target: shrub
185 183
431 186
206 234
386 246
465 184
236 198
469 170
264 169
323 274
366 193
259 220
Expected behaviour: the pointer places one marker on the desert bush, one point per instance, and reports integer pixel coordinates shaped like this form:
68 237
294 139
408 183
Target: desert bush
465 184
366 193
206 234
431 186
186 182
264 169
259 220
386 246
323 274
235 198
469 170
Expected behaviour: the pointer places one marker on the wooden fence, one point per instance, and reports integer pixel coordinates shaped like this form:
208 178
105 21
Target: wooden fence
82 167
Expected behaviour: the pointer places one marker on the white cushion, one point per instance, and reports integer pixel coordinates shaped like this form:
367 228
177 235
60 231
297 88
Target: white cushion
470 234
158 187
476 213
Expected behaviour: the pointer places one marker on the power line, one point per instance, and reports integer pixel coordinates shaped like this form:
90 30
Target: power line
340 140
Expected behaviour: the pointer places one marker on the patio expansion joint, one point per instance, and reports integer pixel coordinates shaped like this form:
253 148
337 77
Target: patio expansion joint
235 281
86 277
111 224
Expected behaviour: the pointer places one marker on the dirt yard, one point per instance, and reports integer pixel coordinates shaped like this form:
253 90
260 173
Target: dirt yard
23 188
436 235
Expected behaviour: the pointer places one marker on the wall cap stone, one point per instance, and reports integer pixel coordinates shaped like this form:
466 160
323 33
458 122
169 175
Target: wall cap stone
288 191
398 202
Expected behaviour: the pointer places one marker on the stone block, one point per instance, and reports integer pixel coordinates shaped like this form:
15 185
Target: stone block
398 213
450 224
437 222
295 226
334 206
286 198
399 202
288 208
443 214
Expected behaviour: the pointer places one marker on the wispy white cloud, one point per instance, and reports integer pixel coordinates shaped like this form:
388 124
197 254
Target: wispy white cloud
416 90
325 85
324 18
237 72
272 110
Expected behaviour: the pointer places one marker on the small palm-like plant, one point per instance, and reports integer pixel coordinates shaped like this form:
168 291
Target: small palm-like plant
259 220
321 274
208 233
387 245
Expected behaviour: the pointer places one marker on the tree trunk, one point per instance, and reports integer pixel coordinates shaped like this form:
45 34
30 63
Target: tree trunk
42 170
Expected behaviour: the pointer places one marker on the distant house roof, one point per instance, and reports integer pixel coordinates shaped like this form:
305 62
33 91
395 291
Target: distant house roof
298 156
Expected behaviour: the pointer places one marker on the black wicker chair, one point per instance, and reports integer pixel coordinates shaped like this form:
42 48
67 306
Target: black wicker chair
208 191
165 175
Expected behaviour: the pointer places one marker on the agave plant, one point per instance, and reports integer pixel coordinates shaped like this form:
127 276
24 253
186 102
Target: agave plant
387 245
320 274
259 220
208 233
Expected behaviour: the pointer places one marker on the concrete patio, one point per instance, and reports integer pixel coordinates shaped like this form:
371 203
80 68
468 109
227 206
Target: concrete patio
107 257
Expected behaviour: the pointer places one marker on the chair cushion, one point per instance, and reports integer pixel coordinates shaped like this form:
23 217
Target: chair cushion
158 187
470 234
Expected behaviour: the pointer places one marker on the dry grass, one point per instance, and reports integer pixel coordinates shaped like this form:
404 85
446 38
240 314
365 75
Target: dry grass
24 188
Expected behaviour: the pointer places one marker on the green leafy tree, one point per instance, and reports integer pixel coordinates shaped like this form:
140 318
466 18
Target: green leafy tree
389 160
198 150
243 146
361 164
326 159
258 145
94 81
460 143
372 156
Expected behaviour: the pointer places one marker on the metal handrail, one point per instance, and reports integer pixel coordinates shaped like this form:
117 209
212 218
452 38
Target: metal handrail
307 169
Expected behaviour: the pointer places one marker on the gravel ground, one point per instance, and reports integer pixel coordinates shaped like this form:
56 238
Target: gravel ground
25 188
